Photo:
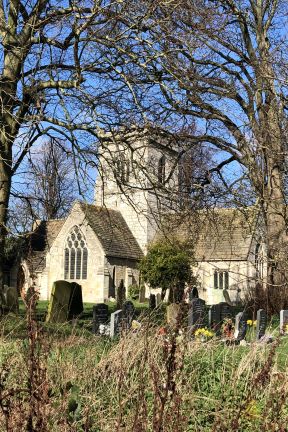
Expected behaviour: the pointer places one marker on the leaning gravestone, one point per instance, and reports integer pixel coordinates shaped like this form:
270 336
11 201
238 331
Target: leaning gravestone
100 316
196 314
128 312
240 326
59 302
75 307
284 322
115 323
193 294
261 323
152 301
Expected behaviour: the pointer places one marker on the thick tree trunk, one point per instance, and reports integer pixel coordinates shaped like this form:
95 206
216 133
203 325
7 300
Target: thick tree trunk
5 186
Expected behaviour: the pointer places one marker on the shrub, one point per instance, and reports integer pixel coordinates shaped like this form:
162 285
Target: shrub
133 292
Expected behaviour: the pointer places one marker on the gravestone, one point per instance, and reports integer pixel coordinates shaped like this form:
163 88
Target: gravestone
173 314
240 326
158 300
217 314
59 302
11 303
193 294
75 307
121 294
196 314
115 323
261 323
225 311
152 301
214 317
284 322
100 316
128 313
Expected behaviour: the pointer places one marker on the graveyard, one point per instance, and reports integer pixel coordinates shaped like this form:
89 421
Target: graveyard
98 367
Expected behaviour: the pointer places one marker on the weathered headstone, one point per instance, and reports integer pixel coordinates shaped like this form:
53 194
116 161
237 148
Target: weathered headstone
173 314
152 301
100 316
75 307
261 323
240 326
115 323
11 303
158 299
59 302
128 313
284 322
196 314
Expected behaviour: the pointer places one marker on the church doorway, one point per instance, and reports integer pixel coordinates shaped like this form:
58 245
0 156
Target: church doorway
112 284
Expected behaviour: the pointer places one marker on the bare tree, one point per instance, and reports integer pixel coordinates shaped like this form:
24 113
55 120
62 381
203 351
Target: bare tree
222 64
62 74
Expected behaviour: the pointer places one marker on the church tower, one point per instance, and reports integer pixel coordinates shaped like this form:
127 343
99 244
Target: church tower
138 176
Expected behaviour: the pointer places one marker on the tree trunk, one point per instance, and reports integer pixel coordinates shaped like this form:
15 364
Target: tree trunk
5 186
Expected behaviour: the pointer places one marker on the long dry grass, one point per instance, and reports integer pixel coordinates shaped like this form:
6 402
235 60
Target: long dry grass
146 381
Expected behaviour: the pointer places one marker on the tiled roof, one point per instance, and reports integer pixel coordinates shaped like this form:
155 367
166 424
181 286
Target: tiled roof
222 234
112 232
40 241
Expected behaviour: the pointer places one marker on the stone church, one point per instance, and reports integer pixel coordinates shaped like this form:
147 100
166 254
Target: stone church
100 244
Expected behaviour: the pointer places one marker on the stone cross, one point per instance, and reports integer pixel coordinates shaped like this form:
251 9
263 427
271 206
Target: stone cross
261 323
100 316
196 314
115 323
284 322
240 326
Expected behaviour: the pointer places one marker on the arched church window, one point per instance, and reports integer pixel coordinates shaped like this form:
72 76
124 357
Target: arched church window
123 170
75 255
161 169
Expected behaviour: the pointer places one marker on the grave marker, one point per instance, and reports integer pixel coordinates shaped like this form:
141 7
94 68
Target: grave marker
158 300
261 323
214 317
115 323
152 301
75 306
284 322
128 311
240 326
196 314
225 311
59 302
100 316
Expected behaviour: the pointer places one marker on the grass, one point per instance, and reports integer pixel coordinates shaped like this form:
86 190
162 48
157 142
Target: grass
143 382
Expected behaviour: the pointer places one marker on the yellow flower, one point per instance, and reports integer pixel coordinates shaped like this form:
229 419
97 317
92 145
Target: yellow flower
250 322
255 323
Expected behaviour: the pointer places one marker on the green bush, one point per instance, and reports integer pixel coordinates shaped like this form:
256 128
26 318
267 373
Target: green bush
133 292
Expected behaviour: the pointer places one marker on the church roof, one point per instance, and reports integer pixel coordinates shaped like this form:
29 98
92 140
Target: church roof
112 232
222 234
40 242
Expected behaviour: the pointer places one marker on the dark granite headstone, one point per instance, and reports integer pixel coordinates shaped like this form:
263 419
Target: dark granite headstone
196 314
261 323
152 301
128 312
116 323
214 317
193 294
225 311
100 316
240 326
75 307
284 322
